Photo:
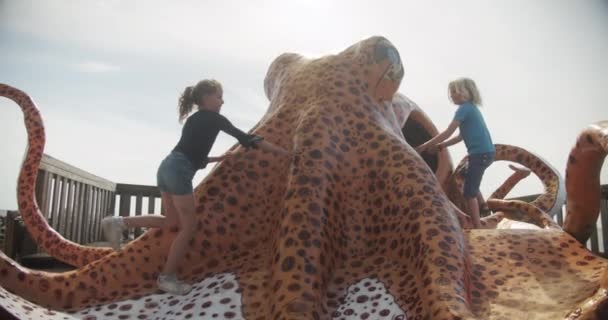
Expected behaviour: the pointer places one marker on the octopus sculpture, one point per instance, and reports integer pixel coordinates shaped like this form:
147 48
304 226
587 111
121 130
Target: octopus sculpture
356 225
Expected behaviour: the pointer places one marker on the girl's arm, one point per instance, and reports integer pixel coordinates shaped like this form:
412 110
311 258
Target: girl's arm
216 159
440 137
220 158
247 139
265 145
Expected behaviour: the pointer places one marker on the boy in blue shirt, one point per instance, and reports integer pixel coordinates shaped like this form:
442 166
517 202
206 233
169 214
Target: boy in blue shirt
474 132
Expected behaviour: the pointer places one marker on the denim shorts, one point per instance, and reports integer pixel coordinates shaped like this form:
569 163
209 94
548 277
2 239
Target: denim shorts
175 174
478 163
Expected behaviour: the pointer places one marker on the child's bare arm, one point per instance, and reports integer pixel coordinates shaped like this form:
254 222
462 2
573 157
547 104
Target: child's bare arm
222 157
450 142
440 137
215 159
265 145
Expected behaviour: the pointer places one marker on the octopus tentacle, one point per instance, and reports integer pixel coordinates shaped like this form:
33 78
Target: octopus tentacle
306 226
109 278
508 185
42 233
518 174
223 243
594 307
550 201
523 211
583 180
530 214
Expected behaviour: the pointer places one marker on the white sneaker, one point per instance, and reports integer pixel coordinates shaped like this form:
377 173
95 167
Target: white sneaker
113 228
170 284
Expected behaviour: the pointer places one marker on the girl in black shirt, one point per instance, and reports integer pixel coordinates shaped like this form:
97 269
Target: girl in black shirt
176 171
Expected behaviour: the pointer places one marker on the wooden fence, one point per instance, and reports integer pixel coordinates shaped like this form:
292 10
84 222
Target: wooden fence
72 200
75 201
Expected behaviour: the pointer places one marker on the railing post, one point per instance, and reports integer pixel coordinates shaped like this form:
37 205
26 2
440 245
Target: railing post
604 218
125 208
11 235
138 212
86 213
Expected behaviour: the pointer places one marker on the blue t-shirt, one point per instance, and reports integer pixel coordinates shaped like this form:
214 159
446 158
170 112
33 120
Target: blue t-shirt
473 129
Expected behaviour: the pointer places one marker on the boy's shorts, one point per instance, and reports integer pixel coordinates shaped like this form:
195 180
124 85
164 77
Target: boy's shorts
478 163
175 174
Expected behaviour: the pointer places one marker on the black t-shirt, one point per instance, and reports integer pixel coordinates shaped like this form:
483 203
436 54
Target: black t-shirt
199 134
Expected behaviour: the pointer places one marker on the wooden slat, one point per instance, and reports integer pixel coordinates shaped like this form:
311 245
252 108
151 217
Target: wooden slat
604 217
96 224
88 204
138 205
125 205
44 200
112 204
138 212
560 216
82 220
96 215
62 206
102 208
593 241
86 213
69 210
11 241
104 211
53 213
58 205
90 215
76 213
106 208
40 187
125 208
65 190
151 204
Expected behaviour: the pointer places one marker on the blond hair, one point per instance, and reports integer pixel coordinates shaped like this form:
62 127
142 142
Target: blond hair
467 88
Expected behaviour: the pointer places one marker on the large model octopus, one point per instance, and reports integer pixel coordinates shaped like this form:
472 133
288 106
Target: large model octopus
355 226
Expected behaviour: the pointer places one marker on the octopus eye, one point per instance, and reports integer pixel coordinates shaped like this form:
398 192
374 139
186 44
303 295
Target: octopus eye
393 56
386 51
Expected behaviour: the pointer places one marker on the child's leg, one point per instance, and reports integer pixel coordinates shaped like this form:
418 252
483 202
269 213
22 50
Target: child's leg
475 169
184 205
474 212
171 218
113 227
483 206
480 200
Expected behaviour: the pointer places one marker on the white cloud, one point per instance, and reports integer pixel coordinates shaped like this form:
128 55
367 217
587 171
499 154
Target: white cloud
95 67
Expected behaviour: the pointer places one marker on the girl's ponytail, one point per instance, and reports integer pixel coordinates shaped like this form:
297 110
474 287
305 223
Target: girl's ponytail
186 103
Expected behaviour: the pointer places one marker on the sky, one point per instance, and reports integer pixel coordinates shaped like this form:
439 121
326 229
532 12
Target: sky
106 75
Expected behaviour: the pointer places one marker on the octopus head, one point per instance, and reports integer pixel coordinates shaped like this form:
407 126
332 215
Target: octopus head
373 66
